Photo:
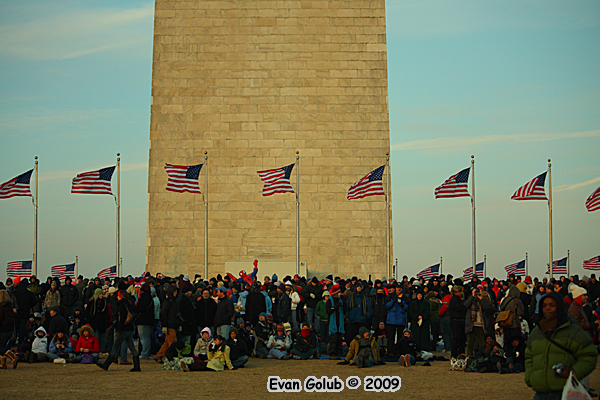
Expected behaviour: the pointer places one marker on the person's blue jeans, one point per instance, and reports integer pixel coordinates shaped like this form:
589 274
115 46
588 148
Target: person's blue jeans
304 356
412 359
446 334
145 333
240 361
294 321
274 353
223 330
324 330
53 356
127 338
312 318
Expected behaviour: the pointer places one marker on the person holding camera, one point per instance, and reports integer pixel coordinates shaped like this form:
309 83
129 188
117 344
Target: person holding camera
556 347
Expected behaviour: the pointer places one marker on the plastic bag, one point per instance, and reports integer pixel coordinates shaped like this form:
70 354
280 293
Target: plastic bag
574 390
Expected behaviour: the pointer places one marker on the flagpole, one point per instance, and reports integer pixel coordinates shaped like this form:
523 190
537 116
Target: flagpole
441 259
206 215
297 212
387 209
35 219
473 210
550 217
121 264
484 265
76 267
118 200
568 263
526 264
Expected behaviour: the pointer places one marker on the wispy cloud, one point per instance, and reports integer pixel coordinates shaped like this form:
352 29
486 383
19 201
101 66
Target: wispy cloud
74 33
43 119
70 174
419 18
564 188
489 140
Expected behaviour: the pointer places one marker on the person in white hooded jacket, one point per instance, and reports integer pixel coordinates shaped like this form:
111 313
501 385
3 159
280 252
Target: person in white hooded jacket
203 344
295 299
39 347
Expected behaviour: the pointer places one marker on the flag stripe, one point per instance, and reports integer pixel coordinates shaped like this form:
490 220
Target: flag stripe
19 269
455 186
533 190
518 269
593 264
63 271
110 272
558 267
183 178
276 180
429 272
93 182
468 273
18 186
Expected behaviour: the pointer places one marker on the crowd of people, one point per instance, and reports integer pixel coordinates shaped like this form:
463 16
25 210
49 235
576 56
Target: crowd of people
502 326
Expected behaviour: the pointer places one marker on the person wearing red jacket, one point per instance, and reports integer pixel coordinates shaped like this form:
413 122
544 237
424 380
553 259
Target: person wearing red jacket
88 343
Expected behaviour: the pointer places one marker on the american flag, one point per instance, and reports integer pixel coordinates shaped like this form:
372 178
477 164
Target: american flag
533 190
18 186
518 269
592 264
468 273
558 267
63 271
370 185
183 178
429 272
455 186
277 180
19 268
110 273
93 182
593 202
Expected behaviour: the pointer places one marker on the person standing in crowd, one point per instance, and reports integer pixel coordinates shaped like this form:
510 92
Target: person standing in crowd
580 298
396 317
68 295
359 310
255 304
170 319
224 313
321 313
312 295
206 308
457 321
144 308
476 320
512 301
445 326
420 317
284 305
337 309
556 340
26 301
7 327
434 305
188 316
124 333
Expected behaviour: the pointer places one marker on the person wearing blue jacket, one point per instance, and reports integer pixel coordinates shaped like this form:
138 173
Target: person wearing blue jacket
359 309
396 318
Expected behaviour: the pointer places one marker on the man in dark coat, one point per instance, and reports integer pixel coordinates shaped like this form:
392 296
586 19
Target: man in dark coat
57 322
26 301
457 321
206 308
224 313
312 295
255 304
170 319
284 305
68 295
144 308
188 315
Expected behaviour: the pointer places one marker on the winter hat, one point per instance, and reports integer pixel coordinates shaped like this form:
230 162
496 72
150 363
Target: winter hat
86 327
329 277
186 278
334 289
222 289
287 326
288 283
315 280
362 331
577 291
228 292
528 280
112 289
326 293
263 314
522 286
270 317
263 288
186 289
207 329
274 277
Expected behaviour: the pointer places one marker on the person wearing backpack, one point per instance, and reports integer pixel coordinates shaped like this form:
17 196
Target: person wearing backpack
512 302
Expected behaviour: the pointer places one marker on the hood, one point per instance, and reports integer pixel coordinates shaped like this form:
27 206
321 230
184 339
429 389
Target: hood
207 329
41 328
407 330
362 331
514 291
561 309
170 290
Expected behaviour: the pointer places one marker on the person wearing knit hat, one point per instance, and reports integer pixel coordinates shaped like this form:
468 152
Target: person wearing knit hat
336 309
305 345
312 296
279 344
580 297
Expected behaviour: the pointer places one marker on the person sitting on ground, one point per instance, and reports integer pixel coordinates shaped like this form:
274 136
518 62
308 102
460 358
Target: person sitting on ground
238 350
60 347
88 343
515 354
408 349
177 351
202 345
363 351
279 344
306 343
39 347
218 358
262 332
380 335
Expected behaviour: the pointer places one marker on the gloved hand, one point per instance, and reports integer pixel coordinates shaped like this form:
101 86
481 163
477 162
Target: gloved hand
312 295
164 330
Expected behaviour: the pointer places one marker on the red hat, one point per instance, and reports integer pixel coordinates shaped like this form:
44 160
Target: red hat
334 289
263 288
528 280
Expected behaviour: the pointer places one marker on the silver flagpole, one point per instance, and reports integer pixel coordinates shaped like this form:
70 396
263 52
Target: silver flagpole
297 212
473 210
526 264
76 267
441 260
484 265
118 199
206 216
568 263
387 209
550 218
35 220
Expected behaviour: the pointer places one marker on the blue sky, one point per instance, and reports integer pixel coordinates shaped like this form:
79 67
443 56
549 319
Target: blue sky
512 82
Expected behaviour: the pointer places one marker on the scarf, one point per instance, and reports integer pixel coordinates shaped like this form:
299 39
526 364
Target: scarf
363 302
548 325
474 309
305 332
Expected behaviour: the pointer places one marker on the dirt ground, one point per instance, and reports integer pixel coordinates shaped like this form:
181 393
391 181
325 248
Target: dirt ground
76 381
